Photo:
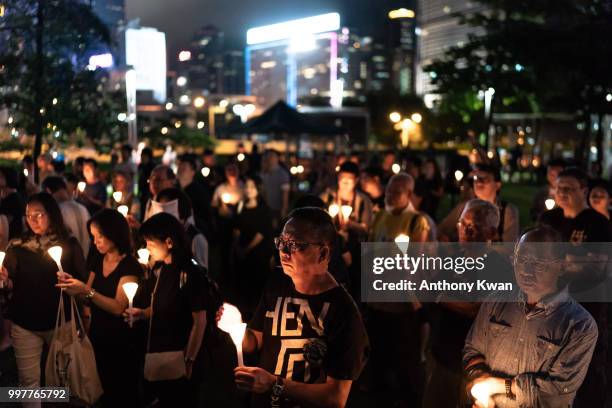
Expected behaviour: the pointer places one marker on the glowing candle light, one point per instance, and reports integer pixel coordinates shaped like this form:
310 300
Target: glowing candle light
130 289
226 198
231 322
123 209
205 171
26 172
143 256
402 241
2 255
55 253
396 168
482 392
458 175
333 210
549 203
346 211
81 186
117 196
241 157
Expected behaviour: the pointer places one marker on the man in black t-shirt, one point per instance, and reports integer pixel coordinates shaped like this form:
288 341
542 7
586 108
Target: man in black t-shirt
307 328
577 222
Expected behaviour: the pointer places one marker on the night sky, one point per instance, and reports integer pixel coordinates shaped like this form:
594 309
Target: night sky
181 18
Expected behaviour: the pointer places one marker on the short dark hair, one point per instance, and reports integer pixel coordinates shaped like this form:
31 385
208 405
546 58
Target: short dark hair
309 200
71 178
490 169
92 162
577 174
127 147
53 184
189 159
147 151
185 208
56 221
316 222
27 159
167 170
374 171
600 183
113 225
163 226
557 162
349 167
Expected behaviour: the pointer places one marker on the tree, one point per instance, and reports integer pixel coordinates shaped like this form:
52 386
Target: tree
538 55
43 50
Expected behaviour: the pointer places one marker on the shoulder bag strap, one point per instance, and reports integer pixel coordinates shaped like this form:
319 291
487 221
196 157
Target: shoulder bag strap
151 315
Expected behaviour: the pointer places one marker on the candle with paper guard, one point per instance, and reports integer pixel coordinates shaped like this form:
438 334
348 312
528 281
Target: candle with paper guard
55 252
549 203
81 186
333 210
117 196
205 171
226 198
402 242
231 322
143 256
2 255
482 392
346 211
123 209
130 289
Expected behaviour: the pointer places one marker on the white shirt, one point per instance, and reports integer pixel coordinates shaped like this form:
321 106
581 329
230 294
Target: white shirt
75 217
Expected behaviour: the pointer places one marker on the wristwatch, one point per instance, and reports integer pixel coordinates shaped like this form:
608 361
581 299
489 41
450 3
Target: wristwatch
90 294
278 387
509 393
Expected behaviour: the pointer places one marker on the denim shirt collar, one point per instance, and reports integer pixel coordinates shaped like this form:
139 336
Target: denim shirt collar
548 304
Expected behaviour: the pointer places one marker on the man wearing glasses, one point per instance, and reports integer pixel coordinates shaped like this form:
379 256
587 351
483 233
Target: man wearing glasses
307 329
534 349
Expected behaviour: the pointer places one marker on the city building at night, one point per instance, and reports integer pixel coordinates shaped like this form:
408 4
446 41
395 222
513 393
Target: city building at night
296 60
438 30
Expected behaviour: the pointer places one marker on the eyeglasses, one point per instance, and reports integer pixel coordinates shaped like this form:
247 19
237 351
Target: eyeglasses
37 216
289 246
566 190
468 228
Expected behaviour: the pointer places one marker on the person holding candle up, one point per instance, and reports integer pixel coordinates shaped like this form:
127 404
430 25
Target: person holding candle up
110 266
94 195
31 275
532 350
177 312
307 329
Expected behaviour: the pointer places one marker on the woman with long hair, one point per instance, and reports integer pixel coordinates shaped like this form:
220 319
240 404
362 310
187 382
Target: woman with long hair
176 312
30 274
110 266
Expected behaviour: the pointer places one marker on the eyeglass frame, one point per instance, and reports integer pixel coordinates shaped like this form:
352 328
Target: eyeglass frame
297 245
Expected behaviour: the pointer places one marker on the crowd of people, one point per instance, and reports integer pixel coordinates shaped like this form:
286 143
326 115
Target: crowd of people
285 248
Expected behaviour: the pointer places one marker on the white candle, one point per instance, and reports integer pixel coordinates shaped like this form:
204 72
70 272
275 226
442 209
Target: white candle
2 255
396 168
226 198
334 209
402 241
482 392
130 289
123 209
117 196
81 186
549 203
55 252
458 175
346 211
26 172
205 171
231 322
143 256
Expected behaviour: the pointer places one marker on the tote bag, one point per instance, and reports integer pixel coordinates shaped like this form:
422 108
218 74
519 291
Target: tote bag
71 361
166 365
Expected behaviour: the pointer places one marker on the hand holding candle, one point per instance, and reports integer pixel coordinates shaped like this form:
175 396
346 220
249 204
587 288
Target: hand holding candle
130 289
549 203
334 209
117 196
2 255
143 256
231 322
124 210
55 253
81 186
226 198
346 212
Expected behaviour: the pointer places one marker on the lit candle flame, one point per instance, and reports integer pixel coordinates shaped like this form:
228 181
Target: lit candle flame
143 256
346 211
458 175
549 203
241 157
117 196
226 198
396 168
482 392
2 255
124 210
26 172
205 171
55 252
130 289
333 210
81 186
231 322
402 241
